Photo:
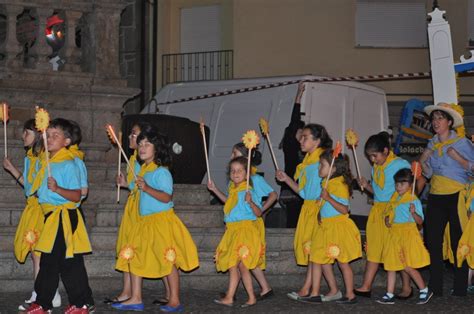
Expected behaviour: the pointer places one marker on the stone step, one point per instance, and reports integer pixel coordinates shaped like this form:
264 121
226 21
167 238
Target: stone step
106 193
110 215
281 272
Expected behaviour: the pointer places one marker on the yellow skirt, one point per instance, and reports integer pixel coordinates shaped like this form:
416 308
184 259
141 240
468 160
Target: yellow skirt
376 233
260 224
465 249
157 243
337 238
241 242
130 218
307 222
404 248
29 229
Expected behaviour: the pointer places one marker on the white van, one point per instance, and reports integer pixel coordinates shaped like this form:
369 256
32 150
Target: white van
336 105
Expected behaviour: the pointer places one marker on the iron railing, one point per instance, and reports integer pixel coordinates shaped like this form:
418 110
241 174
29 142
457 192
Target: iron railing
197 66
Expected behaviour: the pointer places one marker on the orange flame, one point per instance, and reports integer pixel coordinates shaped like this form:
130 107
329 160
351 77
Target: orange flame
337 150
416 169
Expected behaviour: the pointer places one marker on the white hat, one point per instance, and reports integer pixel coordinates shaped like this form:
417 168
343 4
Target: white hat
455 111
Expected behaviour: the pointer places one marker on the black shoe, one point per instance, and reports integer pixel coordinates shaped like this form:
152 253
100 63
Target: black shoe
345 300
400 297
386 300
264 296
311 299
425 297
161 301
364 294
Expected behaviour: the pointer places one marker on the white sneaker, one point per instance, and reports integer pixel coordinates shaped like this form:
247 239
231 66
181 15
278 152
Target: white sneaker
32 298
57 299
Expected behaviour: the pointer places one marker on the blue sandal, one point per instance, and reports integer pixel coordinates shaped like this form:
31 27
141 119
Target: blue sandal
172 309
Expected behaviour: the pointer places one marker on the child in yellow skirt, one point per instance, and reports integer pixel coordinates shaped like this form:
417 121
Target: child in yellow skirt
314 140
404 249
130 216
158 244
262 189
385 165
337 238
32 220
240 247
465 249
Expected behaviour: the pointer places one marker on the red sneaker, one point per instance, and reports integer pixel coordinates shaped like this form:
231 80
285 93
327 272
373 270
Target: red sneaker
72 309
36 309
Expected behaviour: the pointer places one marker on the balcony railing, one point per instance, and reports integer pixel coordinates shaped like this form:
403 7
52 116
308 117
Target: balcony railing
198 66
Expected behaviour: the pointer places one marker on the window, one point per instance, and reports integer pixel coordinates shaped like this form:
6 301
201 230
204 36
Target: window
200 29
391 23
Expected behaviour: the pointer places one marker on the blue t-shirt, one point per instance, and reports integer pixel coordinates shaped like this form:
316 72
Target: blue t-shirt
82 171
26 168
327 210
384 195
448 167
402 212
67 176
160 180
261 188
312 188
242 210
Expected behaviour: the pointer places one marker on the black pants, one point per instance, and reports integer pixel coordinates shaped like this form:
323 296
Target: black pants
442 209
89 297
55 264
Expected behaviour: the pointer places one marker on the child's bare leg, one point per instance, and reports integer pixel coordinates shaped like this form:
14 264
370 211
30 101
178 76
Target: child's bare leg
234 278
127 287
247 281
391 280
262 281
136 286
316 279
348 276
416 276
328 273
167 287
371 269
406 286
36 263
305 290
173 281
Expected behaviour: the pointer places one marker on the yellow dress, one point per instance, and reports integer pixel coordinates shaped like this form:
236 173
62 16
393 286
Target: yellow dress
337 237
376 233
307 221
32 220
260 225
130 214
242 240
158 241
404 246
465 249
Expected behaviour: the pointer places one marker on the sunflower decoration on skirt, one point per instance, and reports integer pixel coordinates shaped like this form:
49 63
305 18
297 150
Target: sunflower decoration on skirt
333 251
170 255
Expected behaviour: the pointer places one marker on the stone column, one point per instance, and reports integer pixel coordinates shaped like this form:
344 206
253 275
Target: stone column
12 46
107 43
73 53
41 49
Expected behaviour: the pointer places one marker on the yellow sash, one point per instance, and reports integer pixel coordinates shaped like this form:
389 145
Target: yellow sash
470 196
337 187
76 243
309 159
253 170
395 201
62 155
441 185
233 197
76 152
379 170
132 160
31 169
439 145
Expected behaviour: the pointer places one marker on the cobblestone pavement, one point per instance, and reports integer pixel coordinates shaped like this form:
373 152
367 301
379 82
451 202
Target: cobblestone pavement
200 301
